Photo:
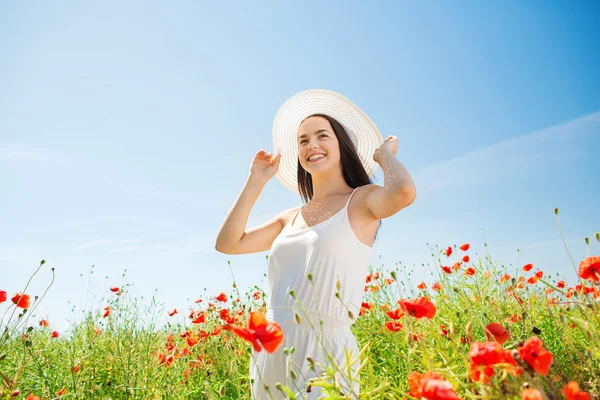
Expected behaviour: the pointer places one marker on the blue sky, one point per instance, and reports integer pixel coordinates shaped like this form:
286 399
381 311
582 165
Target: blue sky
127 130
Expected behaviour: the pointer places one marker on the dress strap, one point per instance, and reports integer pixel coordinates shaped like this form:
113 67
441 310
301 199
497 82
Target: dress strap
350 198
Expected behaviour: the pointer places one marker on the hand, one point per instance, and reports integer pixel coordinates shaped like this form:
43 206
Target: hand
264 166
389 146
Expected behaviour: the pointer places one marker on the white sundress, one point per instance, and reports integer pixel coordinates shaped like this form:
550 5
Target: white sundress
331 252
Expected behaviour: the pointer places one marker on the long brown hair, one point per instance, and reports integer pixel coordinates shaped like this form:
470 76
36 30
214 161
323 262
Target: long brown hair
352 169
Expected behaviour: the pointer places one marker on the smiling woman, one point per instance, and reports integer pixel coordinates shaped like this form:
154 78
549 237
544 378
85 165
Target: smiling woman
327 151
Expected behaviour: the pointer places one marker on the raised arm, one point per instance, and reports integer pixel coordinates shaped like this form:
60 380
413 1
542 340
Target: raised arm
233 237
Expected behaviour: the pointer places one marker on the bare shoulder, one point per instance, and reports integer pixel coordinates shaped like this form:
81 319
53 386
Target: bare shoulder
286 216
360 200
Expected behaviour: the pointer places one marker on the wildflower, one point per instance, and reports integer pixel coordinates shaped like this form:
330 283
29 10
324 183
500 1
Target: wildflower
393 326
54 334
527 267
374 289
107 311
535 355
465 247
261 333
198 317
419 307
470 271
436 286
32 397
430 386
368 278
465 259
396 314
61 392
44 323
171 313
21 300
221 297
76 368
456 266
191 341
571 391
531 394
539 274
3 296
448 251
497 331
590 268
422 285
533 280
446 269
388 281
198 301
257 295
366 305
505 278
166 359
486 274
114 289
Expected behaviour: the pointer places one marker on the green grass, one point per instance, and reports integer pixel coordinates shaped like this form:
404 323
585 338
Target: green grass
123 360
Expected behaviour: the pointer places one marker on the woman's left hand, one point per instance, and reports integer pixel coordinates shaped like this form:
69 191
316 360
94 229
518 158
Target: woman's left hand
389 146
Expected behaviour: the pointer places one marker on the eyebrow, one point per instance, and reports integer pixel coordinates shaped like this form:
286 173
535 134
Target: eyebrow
316 133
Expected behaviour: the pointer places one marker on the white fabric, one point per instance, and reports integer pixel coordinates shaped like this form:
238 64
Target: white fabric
362 131
331 252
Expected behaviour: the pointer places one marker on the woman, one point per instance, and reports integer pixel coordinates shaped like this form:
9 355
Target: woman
326 150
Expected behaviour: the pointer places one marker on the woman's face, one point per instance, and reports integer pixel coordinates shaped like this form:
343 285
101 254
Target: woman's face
316 137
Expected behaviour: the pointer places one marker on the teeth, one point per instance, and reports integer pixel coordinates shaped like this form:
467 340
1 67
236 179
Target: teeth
315 157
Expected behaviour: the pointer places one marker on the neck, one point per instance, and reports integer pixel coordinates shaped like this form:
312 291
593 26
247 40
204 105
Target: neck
326 185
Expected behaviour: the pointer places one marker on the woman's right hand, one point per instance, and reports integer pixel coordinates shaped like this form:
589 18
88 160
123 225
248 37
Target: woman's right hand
264 166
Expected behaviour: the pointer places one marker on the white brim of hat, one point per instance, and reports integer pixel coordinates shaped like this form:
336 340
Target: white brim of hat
361 130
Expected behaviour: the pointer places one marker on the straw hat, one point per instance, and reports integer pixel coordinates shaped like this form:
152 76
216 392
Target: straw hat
362 131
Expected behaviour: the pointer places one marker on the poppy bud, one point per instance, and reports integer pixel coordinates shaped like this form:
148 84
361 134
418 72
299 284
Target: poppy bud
393 273
338 285
556 211
598 236
292 350
297 318
292 374
293 294
310 277
587 240
222 391
337 294
350 315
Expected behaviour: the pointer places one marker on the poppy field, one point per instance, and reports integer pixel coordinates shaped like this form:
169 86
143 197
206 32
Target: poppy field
480 331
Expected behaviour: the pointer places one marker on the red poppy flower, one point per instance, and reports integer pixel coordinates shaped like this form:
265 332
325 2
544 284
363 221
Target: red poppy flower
222 297
590 268
527 267
456 266
560 284
436 286
171 313
368 278
465 259
393 326
366 305
61 392
32 397
55 334
470 271
198 301
191 341
396 314
446 269
505 278
497 331
419 307
533 353
107 311
114 289
76 368
3 296
571 391
488 353
465 247
43 323
261 333
430 386
198 317
21 300
531 394
422 285
533 280
539 274
448 251
388 281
